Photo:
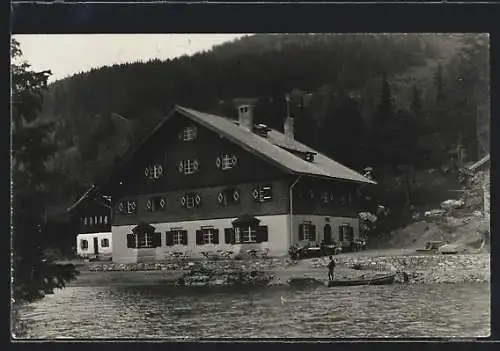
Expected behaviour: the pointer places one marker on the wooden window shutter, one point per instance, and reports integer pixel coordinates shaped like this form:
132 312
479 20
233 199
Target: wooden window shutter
199 237
169 236
184 237
262 234
229 235
312 232
216 236
131 241
341 233
156 240
301 232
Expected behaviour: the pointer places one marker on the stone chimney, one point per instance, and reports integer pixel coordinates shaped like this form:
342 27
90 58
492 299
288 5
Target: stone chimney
289 123
245 112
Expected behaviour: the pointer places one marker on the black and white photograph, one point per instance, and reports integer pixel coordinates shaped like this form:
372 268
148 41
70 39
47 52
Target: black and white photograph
250 186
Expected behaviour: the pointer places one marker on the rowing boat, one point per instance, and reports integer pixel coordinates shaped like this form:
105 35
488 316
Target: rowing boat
385 280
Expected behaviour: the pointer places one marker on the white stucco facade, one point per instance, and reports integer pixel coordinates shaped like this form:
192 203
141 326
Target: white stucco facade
279 239
85 244
321 221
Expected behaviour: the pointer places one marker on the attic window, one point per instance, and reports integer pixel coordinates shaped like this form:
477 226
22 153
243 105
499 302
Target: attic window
156 204
262 193
188 166
189 133
226 161
154 171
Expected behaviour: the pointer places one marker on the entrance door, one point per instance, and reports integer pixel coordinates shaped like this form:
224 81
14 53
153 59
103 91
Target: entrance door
327 234
96 245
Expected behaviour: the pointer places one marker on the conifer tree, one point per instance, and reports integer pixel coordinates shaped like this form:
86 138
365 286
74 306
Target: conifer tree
34 275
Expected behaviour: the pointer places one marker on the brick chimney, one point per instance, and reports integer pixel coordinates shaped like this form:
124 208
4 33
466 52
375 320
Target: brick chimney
245 112
289 123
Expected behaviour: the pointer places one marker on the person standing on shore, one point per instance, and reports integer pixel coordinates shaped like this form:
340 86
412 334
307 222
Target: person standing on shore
331 267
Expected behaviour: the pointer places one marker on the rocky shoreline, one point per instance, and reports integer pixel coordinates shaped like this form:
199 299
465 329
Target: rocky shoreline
416 269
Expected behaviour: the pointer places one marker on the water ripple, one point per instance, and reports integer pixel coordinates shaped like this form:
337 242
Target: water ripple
157 312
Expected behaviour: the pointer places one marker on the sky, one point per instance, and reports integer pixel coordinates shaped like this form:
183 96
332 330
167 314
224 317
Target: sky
68 54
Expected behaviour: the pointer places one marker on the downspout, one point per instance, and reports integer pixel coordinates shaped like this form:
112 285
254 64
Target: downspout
291 207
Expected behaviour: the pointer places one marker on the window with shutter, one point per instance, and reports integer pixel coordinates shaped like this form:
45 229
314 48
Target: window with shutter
188 166
227 161
215 236
262 234
247 234
189 133
262 193
156 240
301 232
178 236
199 237
229 235
184 237
131 242
341 233
169 238
312 232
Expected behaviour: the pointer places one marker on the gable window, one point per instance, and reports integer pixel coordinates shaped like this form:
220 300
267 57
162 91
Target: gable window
156 203
228 196
189 133
206 236
143 240
343 200
190 200
84 244
307 231
188 166
105 219
104 242
85 222
226 161
154 171
262 193
325 199
128 207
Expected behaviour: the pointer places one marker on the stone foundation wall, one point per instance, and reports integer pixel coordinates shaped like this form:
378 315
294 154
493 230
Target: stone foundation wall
423 269
428 268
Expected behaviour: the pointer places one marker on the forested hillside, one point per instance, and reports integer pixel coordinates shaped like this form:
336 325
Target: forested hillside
393 102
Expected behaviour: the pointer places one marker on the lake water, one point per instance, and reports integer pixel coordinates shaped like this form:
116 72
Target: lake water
155 311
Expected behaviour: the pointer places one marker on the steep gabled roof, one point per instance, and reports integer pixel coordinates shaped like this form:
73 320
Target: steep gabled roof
270 148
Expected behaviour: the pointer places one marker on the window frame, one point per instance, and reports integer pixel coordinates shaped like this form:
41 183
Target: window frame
228 161
189 166
84 244
247 235
178 237
154 171
189 133
210 234
104 240
259 193
188 198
